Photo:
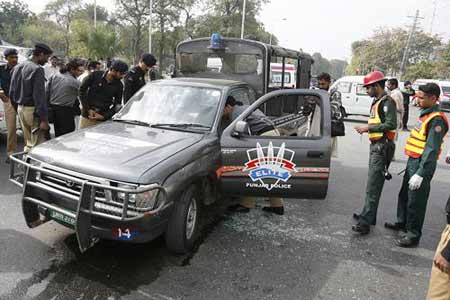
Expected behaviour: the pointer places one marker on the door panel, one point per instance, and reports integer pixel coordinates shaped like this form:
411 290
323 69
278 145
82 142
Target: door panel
291 159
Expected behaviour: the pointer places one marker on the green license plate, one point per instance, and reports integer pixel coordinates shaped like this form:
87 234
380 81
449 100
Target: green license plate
57 216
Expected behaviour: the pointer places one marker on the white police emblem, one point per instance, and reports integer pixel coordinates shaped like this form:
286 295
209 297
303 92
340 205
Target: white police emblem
270 165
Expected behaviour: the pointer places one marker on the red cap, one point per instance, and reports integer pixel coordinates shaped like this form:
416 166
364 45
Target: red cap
373 77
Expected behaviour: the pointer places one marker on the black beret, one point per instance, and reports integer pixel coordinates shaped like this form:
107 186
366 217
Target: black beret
120 66
148 59
40 47
10 51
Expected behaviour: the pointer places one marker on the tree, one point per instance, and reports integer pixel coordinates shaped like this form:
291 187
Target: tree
423 69
134 13
44 31
99 42
13 16
86 12
385 48
64 12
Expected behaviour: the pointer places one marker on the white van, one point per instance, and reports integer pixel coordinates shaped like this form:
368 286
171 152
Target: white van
2 118
355 100
290 78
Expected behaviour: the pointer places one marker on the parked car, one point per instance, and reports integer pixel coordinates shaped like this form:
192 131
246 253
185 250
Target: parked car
355 100
444 100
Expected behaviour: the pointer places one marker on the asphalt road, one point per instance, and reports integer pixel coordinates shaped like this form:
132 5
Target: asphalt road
309 253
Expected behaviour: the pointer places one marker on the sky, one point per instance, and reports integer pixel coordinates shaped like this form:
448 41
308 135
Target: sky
330 26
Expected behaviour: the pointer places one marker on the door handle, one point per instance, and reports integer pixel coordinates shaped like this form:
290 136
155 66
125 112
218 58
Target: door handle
315 154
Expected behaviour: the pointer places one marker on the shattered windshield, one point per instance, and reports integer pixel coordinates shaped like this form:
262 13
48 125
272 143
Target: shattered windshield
171 106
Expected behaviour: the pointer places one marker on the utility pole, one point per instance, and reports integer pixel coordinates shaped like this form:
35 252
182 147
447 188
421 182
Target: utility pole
433 17
150 29
243 19
408 44
95 14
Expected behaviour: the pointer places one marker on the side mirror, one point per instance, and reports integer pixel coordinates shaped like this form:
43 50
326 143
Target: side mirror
240 128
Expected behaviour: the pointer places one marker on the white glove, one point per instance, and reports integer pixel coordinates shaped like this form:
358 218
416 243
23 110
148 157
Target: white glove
415 182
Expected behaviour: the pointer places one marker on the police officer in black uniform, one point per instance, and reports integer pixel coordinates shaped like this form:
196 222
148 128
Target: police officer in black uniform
135 78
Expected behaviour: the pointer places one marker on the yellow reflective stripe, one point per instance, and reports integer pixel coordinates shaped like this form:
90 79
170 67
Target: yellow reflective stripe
414 149
417 143
417 135
375 134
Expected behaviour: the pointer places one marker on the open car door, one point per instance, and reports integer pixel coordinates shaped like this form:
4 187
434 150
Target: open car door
290 158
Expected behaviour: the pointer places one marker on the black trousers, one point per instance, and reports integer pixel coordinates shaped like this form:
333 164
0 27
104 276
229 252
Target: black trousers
64 119
405 116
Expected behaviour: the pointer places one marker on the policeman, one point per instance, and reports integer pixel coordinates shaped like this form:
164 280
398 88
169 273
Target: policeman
439 288
100 93
423 148
135 78
11 56
381 129
27 90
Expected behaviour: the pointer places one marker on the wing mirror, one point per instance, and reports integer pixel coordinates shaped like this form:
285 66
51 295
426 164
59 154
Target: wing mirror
240 128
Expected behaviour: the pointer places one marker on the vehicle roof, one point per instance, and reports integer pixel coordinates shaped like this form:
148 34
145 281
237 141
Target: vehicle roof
200 82
357 79
446 83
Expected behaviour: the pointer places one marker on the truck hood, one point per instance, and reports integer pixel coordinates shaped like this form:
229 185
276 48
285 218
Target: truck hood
113 150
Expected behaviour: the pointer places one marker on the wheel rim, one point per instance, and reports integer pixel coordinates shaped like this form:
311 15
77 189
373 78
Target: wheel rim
191 219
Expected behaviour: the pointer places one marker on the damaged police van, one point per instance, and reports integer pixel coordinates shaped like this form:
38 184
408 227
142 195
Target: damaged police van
170 151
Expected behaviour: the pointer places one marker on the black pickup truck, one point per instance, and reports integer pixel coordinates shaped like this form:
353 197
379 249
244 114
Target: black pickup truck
165 156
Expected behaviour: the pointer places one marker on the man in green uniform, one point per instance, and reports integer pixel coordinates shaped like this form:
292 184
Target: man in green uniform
423 148
381 129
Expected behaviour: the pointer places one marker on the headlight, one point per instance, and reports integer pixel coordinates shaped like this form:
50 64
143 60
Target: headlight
145 200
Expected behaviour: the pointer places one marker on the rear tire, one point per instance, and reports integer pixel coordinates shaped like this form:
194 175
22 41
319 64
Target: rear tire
183 228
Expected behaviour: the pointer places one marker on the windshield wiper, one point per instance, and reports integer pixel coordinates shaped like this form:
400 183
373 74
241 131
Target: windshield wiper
181 125
134 122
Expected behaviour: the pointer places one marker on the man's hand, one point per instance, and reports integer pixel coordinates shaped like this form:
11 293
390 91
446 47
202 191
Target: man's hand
362 129
415 182
91 113
97 117
441 263
447 159
44 125
3 97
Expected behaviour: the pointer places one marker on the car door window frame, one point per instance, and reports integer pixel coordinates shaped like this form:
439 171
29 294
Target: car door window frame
324 126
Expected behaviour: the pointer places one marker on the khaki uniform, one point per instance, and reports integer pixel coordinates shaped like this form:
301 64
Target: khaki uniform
439 288
11 120
29 123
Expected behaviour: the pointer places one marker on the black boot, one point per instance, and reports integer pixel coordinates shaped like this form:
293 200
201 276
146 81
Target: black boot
356 216
395 226
361 228
406 242
274 210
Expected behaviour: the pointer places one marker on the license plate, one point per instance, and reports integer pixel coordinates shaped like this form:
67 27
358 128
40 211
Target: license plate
62 218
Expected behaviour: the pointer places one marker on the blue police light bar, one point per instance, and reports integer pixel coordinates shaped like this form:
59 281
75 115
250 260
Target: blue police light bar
216 42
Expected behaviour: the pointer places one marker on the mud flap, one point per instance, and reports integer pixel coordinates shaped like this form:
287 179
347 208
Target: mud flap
30 210
83 221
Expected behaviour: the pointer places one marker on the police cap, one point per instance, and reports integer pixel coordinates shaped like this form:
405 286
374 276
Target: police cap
10 51
119 66
42 48
148 59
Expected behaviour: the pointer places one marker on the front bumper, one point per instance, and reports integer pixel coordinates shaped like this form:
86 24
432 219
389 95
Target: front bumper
87 205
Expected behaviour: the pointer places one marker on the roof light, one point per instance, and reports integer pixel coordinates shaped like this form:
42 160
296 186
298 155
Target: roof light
216 42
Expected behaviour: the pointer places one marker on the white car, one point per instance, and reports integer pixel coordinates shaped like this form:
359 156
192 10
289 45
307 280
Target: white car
355 100
445 90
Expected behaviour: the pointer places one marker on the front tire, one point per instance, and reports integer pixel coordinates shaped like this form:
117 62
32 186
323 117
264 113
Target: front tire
183 228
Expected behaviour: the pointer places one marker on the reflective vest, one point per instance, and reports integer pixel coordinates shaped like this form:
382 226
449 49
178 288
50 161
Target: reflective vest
376 120
415 145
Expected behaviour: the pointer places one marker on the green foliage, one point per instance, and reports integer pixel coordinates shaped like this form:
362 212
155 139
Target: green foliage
44 31
423 69
384 50
95 43
13 16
